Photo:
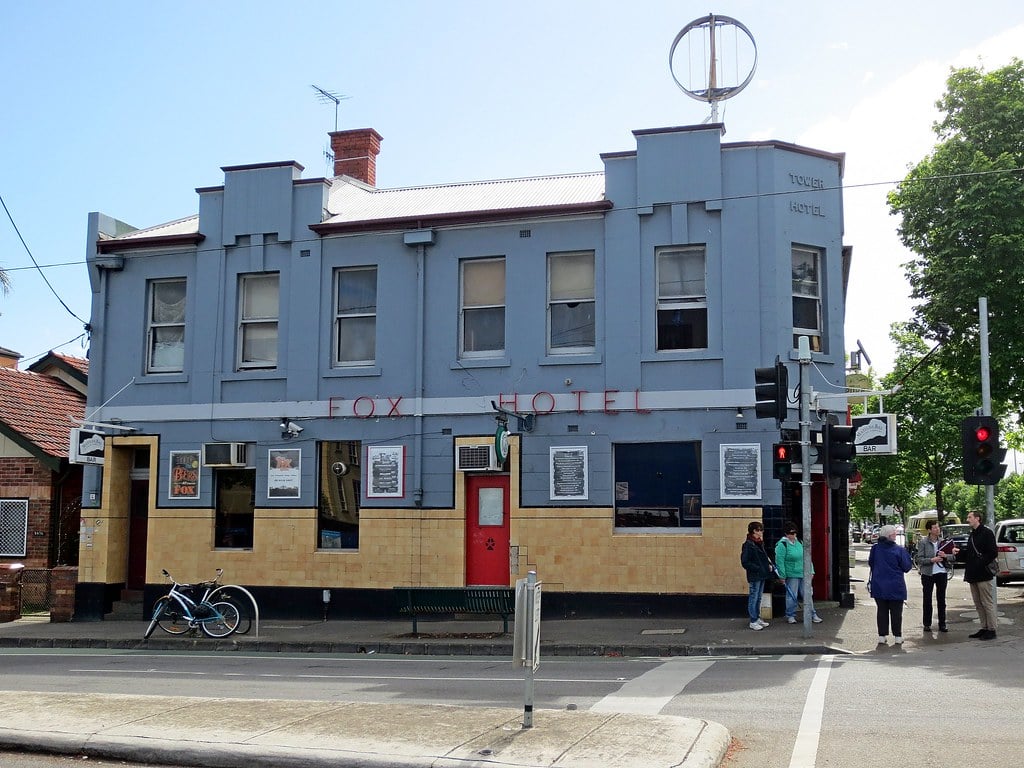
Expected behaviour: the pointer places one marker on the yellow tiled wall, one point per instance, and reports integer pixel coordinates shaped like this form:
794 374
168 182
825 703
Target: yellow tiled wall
572 549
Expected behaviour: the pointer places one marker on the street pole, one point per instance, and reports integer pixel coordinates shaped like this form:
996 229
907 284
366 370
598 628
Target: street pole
986 410
804 359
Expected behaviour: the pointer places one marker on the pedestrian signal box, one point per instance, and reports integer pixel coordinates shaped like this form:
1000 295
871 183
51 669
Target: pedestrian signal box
784 455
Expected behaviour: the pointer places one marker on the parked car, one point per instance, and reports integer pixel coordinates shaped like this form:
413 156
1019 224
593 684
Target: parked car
1010 543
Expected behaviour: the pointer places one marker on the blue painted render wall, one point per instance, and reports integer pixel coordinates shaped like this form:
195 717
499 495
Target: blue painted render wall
680 186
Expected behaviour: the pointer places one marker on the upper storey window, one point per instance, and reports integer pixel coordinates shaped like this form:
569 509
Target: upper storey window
682 299
571 302
165 326
807 296
482 315
258 320
355 323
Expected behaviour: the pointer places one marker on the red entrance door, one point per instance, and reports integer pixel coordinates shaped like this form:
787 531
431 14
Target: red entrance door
138 529
487 530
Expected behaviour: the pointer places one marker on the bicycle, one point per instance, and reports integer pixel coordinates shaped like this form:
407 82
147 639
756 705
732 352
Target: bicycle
177 612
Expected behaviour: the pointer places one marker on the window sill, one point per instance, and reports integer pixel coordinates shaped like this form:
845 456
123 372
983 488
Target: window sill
248 374
657 531
585 358
353 371
675 355
163 378
481 362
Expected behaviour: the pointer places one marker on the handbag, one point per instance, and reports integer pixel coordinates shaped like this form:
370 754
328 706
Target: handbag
992 566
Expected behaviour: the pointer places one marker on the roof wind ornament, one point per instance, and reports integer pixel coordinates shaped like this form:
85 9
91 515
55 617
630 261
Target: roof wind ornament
711 73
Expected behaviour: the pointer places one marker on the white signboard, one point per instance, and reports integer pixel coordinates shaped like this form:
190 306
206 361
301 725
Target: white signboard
740 471
875 434
86 447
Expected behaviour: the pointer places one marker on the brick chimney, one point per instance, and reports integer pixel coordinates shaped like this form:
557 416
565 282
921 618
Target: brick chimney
355 154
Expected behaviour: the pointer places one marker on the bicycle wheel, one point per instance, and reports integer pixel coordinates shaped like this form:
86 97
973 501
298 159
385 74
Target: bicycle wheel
169 616
222 621
241 603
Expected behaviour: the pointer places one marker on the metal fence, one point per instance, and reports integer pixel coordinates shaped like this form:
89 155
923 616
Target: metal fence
36 591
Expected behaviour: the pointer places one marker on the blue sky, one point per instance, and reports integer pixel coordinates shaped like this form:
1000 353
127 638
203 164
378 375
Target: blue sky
127 107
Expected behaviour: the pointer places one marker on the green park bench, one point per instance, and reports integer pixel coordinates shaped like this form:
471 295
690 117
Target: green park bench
453 601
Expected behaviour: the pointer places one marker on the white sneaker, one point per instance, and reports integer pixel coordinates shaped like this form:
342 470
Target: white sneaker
763 623
816 619
898 640
756 625
791 619
881 640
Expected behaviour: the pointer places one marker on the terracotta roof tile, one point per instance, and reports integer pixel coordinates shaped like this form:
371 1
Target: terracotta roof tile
40 408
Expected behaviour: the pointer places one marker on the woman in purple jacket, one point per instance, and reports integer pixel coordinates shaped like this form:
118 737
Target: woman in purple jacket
889 562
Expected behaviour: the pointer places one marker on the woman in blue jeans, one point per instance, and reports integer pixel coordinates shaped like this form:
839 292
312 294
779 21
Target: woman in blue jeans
789 559
755 562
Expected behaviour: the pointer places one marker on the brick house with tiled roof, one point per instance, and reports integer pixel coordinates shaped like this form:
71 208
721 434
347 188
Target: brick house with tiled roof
40 491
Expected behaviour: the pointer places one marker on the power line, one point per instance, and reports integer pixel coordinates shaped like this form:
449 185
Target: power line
513 217
38 268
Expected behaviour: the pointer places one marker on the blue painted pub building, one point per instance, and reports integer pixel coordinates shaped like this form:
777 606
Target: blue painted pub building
333 389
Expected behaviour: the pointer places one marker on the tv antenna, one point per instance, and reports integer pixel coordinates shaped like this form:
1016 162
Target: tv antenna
326 97
710 75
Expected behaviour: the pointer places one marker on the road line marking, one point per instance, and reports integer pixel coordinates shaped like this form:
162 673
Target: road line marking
650 692
805 748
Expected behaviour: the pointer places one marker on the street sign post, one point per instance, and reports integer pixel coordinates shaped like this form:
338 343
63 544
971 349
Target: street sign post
526 638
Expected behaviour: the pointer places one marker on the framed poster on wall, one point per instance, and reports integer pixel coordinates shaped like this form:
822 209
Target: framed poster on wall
740 470
184 475
385 471
567 478
284 473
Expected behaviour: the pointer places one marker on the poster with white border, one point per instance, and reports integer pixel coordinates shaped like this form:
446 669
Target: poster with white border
568 473
739 466
284 473
385 471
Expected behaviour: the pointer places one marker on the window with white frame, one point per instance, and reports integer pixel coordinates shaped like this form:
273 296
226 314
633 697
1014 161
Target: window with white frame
257 321
355 320
682 298
13 527
571 326
807 296
482 315
165 326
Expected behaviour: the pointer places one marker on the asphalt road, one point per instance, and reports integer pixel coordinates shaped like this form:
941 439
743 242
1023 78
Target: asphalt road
889 708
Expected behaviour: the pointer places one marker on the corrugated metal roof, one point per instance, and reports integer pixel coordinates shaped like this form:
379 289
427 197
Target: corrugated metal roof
351 201
186 226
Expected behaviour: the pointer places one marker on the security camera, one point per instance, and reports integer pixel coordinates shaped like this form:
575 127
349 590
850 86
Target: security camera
290 428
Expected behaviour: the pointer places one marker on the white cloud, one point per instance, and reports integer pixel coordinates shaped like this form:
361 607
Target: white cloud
882 136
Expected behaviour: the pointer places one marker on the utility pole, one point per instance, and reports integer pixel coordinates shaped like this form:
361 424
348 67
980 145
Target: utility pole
804 359
986 410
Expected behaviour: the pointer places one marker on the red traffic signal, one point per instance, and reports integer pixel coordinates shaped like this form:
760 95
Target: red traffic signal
784 455
982 454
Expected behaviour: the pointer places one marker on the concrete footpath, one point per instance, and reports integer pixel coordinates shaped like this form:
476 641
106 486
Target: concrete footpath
237 732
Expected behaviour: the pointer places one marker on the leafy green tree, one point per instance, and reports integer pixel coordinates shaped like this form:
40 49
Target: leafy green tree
962 215
929 405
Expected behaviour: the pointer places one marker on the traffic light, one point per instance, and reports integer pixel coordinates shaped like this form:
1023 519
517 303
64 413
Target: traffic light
982 455
771 392
837 442
784 455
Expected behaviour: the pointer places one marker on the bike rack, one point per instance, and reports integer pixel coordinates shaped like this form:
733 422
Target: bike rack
247 593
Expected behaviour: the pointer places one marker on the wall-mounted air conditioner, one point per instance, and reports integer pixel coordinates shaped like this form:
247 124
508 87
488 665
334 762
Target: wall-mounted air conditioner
224 454
476 458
